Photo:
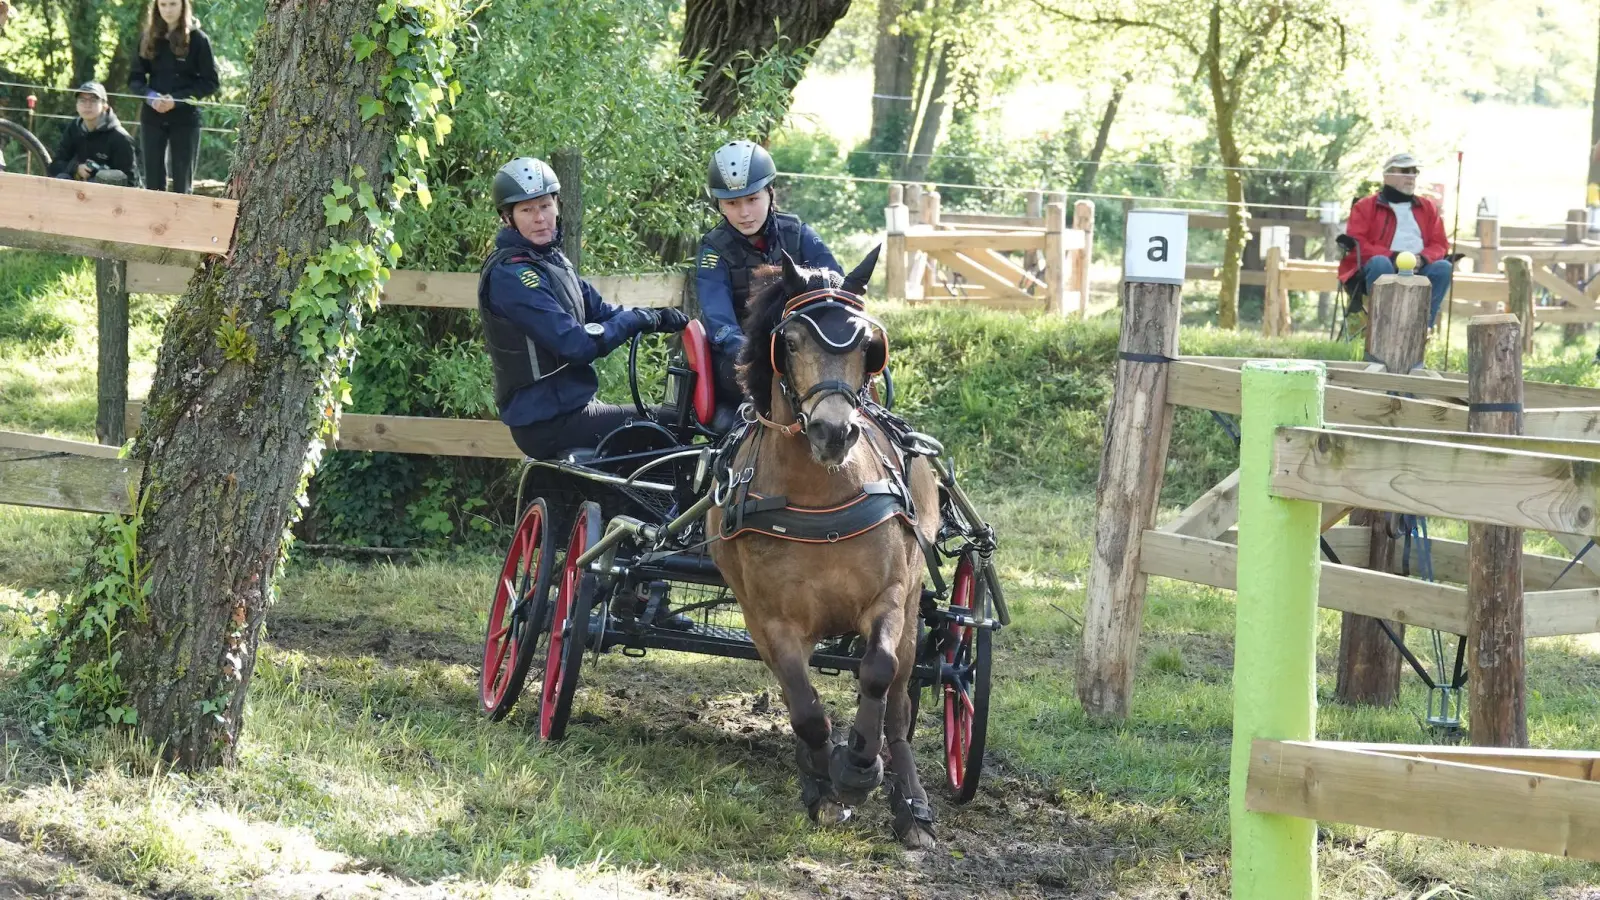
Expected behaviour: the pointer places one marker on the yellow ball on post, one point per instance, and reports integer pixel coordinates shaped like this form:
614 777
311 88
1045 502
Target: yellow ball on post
1406 263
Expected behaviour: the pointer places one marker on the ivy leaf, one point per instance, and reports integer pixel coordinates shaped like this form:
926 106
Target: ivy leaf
341 190
442 124
364 47
371 107
387 10
338 213
424 196
399 40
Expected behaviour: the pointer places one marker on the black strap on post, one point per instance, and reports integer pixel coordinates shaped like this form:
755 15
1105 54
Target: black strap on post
1494 407
1145 357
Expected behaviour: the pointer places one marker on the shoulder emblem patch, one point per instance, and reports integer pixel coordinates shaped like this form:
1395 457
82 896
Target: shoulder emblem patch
529 277
709 260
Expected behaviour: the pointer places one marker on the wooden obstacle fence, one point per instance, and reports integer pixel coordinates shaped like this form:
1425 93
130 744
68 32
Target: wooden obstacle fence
151 242
59 474
1283 780
1373 410
973 257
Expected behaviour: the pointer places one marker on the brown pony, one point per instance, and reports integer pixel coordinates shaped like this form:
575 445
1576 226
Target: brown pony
812 444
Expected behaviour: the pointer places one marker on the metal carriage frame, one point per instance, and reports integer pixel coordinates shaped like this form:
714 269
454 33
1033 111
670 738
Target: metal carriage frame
634 574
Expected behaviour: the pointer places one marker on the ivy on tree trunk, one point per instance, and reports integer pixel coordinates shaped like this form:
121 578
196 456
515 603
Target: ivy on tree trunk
250 370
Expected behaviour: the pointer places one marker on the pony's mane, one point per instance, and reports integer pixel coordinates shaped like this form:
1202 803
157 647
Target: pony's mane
763 314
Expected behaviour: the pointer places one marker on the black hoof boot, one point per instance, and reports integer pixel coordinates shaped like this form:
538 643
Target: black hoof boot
816 789
913 820
854 778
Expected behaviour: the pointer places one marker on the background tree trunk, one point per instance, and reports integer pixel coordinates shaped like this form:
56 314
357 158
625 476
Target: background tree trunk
1224 99
1102 136
225 441
894 64
720 32
932 120
1594 127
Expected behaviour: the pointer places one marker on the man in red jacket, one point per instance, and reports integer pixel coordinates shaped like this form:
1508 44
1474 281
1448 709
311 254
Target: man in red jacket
1394 221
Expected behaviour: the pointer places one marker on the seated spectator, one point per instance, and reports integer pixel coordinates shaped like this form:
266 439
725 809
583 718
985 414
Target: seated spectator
1393 221
94 146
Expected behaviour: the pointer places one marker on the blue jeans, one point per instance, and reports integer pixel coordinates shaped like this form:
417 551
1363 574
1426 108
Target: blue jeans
1438 273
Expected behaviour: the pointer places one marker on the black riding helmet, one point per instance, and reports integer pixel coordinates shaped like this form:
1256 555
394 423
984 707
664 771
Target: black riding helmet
739 168
524 178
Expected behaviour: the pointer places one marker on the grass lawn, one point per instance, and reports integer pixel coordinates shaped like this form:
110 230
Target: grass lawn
366 769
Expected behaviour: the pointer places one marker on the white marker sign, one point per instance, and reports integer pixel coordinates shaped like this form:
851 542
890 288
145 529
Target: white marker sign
1156 246
1489 207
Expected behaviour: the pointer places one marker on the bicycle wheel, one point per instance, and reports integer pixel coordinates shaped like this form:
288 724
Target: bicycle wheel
12 133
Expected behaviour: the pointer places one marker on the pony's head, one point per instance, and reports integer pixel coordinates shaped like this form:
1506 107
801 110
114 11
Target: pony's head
812 344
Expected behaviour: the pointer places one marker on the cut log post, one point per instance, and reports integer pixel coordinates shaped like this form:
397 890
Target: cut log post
1033 208
1275 637
111 295
1369 664
1519 302
1488 244
567 162
1083 220
1275 302
1496 671
1055 259
896 219
1330 253
913 200
1132 464
930 219
1576 272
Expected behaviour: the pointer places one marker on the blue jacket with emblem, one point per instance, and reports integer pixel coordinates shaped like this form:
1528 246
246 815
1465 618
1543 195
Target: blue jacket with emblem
533 309
725 271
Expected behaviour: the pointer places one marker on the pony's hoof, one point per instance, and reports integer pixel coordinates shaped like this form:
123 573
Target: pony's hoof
828 813
913 825
852 781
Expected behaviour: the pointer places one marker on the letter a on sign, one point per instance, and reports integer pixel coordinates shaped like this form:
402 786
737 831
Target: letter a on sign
1156 246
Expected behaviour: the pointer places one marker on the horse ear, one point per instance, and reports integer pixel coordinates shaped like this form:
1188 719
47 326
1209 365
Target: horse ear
856 281
793 282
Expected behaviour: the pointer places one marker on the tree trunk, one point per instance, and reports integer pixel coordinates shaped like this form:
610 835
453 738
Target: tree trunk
893 73
227 438
1091 169
1594 127
729 36
932 119
1225 103
83 38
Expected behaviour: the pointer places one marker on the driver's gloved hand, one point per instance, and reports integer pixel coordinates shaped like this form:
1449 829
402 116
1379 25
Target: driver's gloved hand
670 321
648 319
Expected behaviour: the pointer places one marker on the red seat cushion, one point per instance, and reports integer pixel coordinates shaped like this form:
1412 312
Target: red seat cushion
697 353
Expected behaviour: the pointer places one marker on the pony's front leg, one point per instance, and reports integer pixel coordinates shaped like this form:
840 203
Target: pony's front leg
857 764
908 801
812 731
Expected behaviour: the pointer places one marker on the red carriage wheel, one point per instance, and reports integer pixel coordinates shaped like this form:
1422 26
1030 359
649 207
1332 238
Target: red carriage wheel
516 614
966 683
569 627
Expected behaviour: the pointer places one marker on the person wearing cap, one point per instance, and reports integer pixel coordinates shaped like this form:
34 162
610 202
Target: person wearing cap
544 326
173 68
743 254
1392 221
94 146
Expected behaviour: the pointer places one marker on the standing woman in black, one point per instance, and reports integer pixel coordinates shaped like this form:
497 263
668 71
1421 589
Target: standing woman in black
174 67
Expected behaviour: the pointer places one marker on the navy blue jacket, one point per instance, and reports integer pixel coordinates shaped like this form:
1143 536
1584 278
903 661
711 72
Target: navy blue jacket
539 316
715 288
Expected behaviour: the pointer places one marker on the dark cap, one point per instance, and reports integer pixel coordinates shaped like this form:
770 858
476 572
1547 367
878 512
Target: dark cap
95 88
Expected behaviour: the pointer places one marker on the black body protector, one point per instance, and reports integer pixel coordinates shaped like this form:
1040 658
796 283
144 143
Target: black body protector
742 257
516 360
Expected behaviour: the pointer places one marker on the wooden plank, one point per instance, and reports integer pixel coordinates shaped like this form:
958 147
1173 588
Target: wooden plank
1217 388
1568 611
1430 386
1019 277
155 278
989 220
1491 806
1214 513
917 239
63 478
16 440
97 249
459 290
1559 287
1567 315
1409 601
1579 764
975 271
1449 559
1587 252
1217 222
1213 272
1433 478
116 218
1551 446
409 434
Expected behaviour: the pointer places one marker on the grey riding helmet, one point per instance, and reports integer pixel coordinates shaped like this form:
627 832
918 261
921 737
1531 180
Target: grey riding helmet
524 178
739 168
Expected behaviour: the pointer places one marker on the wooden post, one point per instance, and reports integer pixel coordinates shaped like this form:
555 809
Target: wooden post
111 295
1275 301
1488 244
1519 283
1577 230
568 165
1055 258
896 219
1330 253
1083 220
1033 208
930 218
1275 638
1369 665
1496 673
913 195
1132 464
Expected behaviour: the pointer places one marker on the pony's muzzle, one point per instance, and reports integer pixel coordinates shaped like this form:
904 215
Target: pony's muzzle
831 439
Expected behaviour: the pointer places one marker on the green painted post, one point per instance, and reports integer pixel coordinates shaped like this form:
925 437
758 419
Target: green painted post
1275 643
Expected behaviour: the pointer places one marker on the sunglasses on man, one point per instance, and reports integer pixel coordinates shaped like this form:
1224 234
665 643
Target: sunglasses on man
1409 170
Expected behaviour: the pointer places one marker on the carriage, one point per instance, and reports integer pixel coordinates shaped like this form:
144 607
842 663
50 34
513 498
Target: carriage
610 554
